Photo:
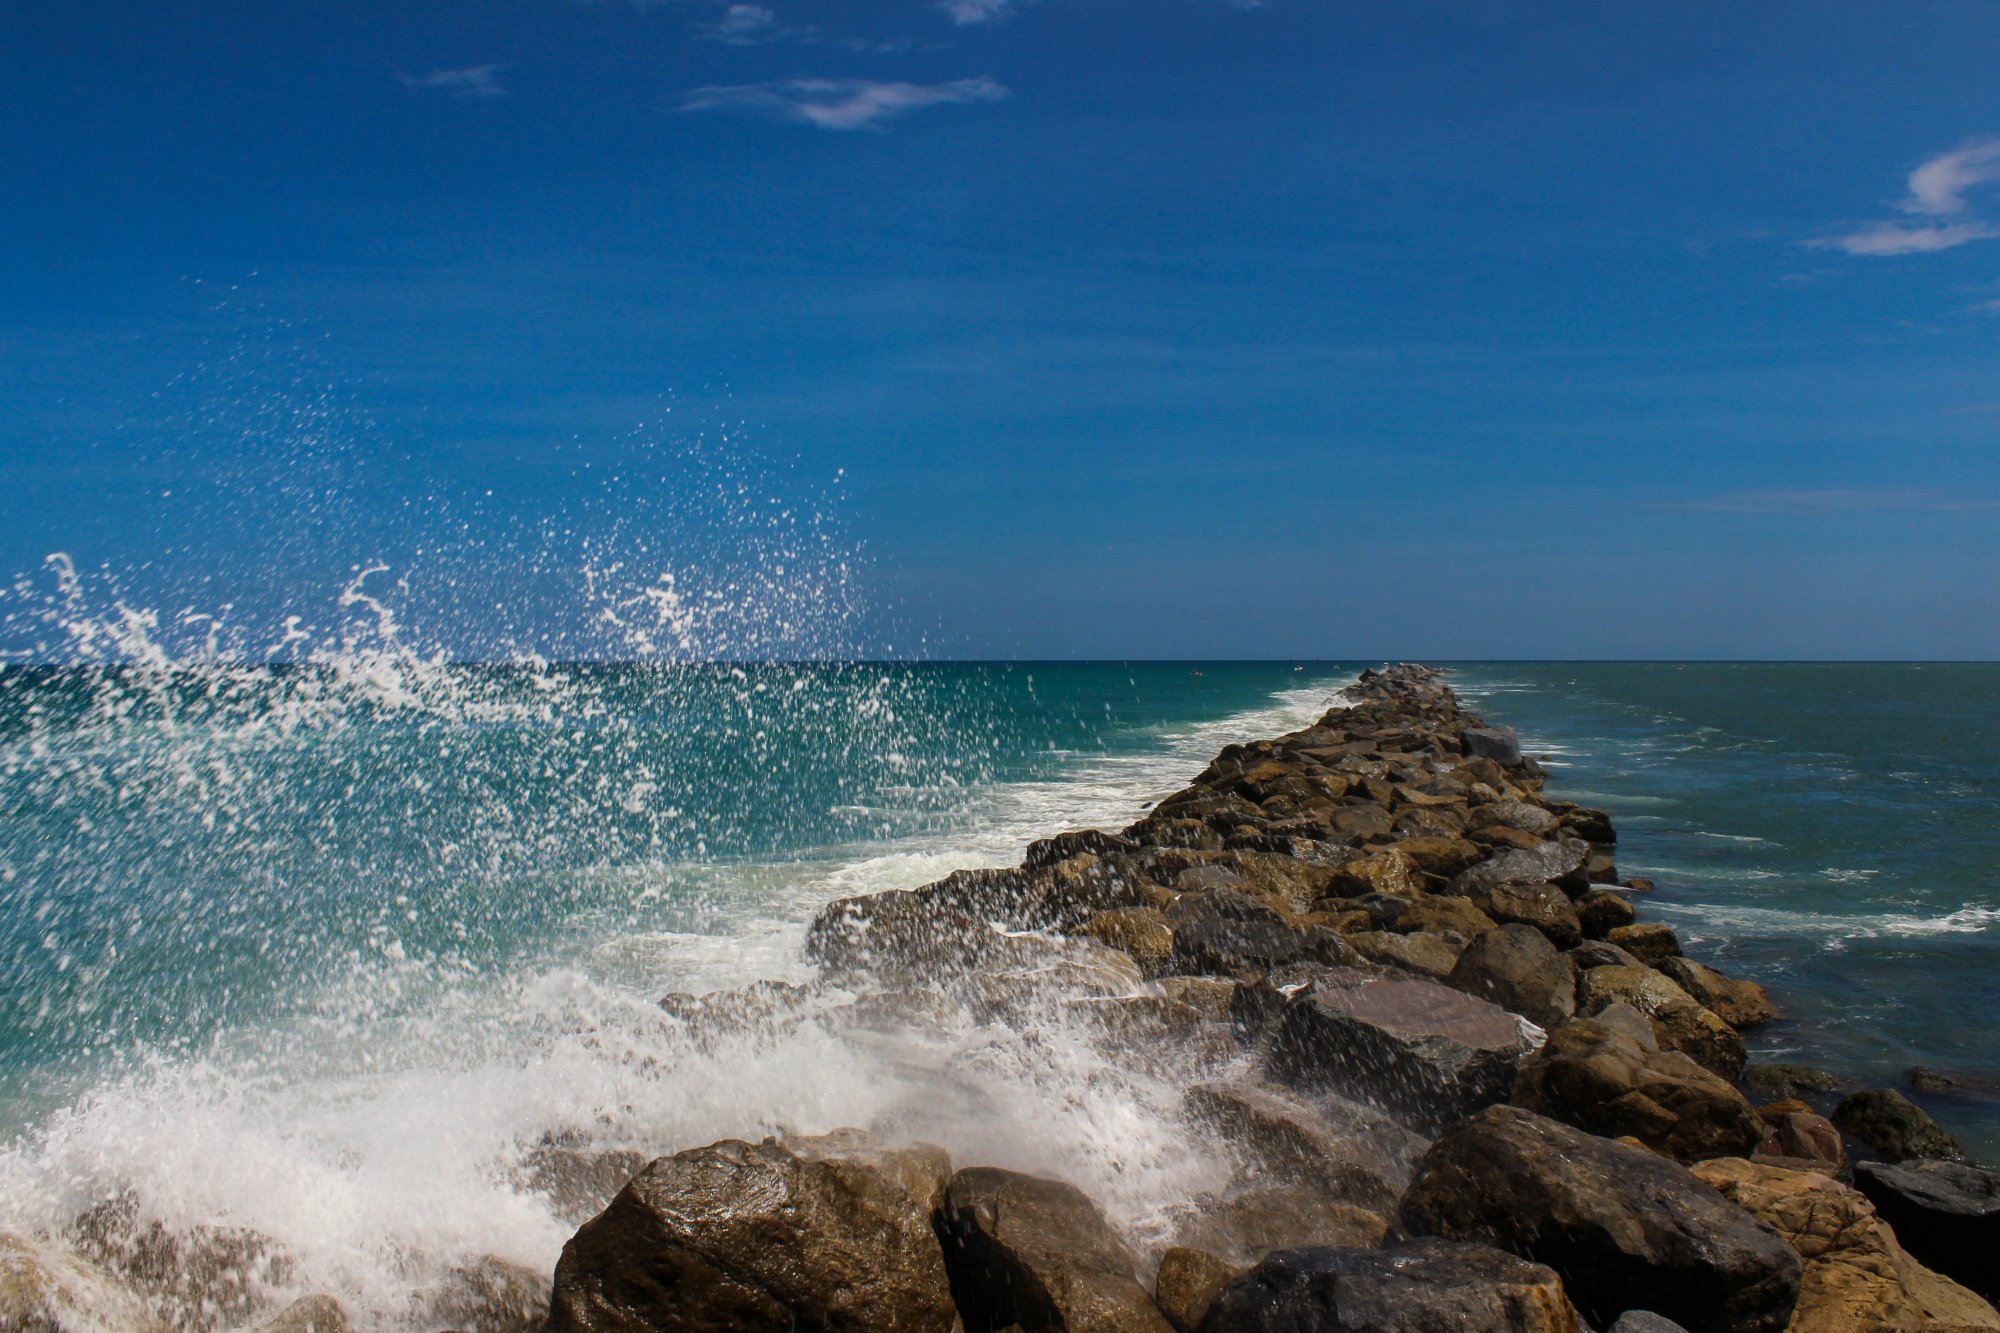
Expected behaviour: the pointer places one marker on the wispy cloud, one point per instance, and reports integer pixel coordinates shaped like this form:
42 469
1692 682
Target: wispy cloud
746 21
1938 190
472 81
841 104
1835 501
986 11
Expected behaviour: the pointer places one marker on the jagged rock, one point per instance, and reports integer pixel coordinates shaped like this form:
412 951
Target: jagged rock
1420 1286
45 1288
759 1237
1741 1004
1946 1214
1422 1050
1515 967
1247 1222
1775 1081
1650 942
1427 955
1600 953
1543 906
1038 1253
1854 1272
1597 1079
1892 1126
1561 863
1188 1282
1219 946
1142 932
1600 911
1678 1021
1590 825
1499 744
1345 1151
1094 842
1625 1227
308 1314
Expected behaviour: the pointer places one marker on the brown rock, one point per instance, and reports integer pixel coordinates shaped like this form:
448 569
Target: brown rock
1440 914
1038 1253
1679 1022
1208 996
1188 1282
1543 906
1893 1126
1342 1150
45 1288
1599 1080
1427 955
1515 967
308 1314
1800 1136
1414 1286
1600 911
1142 932
1248 1222
1649 942
1440 857
1741 1004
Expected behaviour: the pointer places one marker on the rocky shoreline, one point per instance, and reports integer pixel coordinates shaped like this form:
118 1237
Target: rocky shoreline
1452 1082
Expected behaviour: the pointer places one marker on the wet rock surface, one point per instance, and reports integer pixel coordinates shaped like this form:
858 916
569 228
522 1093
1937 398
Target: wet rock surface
1947 1214
1422 1286
1623 1226
1596 1078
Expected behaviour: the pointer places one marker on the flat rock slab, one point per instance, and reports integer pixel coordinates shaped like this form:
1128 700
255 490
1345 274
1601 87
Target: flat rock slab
1423 1286
1625 1227
1425 1052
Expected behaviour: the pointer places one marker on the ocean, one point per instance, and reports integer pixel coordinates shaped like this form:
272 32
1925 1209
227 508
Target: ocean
328 952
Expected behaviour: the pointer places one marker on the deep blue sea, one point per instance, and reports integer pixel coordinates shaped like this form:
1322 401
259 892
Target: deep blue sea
325 952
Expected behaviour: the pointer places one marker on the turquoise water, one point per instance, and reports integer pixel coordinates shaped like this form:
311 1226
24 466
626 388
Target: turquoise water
327 951
1832 830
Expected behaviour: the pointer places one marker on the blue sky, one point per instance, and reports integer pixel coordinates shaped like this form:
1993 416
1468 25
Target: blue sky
1101 327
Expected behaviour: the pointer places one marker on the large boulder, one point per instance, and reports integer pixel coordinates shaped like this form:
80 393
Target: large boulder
1855 1275
1187 1284
1601 911
1344 1151
1499 744
1038 1253
1419 1286
1680 1023
1427 955
1625 1227
1425 1052
1946 1214
1543 906
1518 969
1648 941
1892 1126
1564 862
1741 1004
1142 932
1598 1079
900 933
760 1237
45 1288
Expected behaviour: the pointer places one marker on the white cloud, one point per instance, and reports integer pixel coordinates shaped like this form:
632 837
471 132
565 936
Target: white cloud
472 81
976 11
743 20
841 104
1894 238
1938 186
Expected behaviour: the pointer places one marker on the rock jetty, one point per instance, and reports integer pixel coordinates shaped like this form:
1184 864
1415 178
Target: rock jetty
1459 1084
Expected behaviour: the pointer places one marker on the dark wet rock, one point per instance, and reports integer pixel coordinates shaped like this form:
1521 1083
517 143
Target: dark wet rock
1439 914
1590 825
1561 863
46 1288
1157 831
1515 967
1421 1050
1533 819
1648 941
1229 903
1856 1276
1154 1033
579 1182
490 1295
1342 1150
759 1237
901 933
1946 1214
1209 996
1971 1083
307 1314
1597 1079
1625 1227
900 1013
1218 946
1600 953
1499 744
1425 954
1095 842
1440 857
1600 911
1543 906
1679 1023
1188 1282
1420 1286
198 1277
1601 869
1038 1253
1389 872
1359 822
1774 1081
1142 932
1247 1222
1892 1127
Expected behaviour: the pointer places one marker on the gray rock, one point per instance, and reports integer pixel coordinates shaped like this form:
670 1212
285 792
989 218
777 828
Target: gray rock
1425 1052
1946 1214
1420 1286
1500 744
1644 1321
1518 969
1625 1227
1564 863
1892 1126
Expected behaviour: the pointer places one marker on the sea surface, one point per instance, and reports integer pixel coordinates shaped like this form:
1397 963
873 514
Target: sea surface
327 952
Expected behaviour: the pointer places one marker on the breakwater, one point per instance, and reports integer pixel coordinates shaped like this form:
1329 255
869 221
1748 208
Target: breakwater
1434 1068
